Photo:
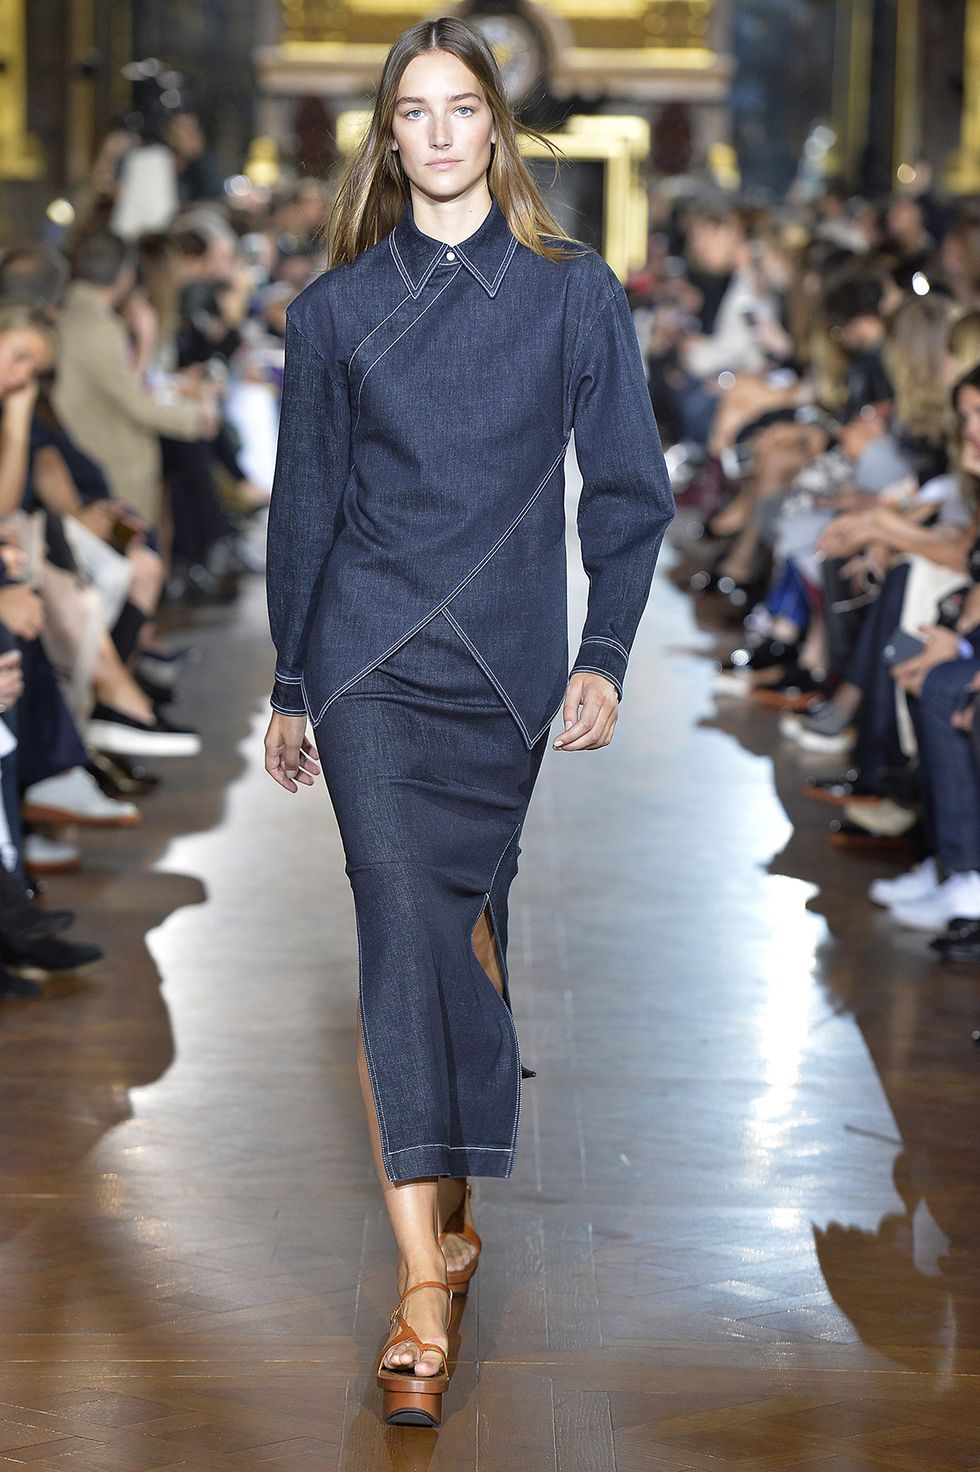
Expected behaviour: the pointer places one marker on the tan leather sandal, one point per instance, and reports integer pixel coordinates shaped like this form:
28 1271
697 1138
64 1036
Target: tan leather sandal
459 1281
410 1399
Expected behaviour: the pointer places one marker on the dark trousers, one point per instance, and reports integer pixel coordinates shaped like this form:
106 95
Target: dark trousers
48 739
199 520
843 625
878 752
948 769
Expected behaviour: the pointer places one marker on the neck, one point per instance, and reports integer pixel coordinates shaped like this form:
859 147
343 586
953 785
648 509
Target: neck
451 220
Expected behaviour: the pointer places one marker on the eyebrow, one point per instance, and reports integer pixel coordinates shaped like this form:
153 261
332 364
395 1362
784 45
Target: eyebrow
453 97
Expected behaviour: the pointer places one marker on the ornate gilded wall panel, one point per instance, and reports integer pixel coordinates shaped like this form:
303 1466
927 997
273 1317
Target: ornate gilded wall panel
20 156
680 23
651 49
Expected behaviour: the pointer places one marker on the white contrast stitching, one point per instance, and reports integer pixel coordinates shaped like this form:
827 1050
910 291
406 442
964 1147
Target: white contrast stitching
458 588
374 329
457 1149
383 1130
288 679
415 290
601 639
493 287
489 673
593 670
429 303
510 1016
549 721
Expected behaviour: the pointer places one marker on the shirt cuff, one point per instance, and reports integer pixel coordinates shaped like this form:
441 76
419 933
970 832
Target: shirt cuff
287 695
602 656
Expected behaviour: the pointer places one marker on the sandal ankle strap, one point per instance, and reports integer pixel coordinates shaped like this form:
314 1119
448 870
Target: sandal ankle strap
430 1283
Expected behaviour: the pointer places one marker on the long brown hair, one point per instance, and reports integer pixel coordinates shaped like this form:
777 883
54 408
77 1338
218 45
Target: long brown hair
914 355
374 188
969 483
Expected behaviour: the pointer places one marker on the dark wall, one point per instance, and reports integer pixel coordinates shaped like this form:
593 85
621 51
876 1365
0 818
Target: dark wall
212 45
784 63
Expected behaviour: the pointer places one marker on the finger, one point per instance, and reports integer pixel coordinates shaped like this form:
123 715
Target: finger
274 767
290 759
582 724
580 736
278 775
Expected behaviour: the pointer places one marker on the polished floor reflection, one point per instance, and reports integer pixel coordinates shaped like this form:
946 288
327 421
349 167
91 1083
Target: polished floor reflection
742 1231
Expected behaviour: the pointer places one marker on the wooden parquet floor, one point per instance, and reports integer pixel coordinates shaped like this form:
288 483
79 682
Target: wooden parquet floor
743 1227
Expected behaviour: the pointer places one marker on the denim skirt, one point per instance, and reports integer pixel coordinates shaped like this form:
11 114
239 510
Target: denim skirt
430 779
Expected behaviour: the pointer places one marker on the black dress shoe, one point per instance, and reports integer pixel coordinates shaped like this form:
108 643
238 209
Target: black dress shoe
18 986
848 786
767 655
19 920
113 731
121 776
48 955
960 941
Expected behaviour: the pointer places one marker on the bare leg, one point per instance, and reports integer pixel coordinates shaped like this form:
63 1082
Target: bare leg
417 1209
115 686
148 577
413 1211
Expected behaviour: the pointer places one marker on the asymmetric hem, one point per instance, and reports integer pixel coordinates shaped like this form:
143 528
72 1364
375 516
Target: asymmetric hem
430 778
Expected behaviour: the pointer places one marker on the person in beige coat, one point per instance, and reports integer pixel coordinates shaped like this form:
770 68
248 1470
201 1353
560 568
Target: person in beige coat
99 394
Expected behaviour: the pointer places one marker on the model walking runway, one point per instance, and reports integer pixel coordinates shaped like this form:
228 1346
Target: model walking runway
434 376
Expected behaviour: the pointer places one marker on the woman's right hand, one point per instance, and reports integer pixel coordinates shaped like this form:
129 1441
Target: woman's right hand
289 758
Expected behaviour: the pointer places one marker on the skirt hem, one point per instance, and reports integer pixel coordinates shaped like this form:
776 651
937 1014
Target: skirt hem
448 1160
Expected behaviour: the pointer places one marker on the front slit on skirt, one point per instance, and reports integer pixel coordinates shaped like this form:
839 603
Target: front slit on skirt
430 779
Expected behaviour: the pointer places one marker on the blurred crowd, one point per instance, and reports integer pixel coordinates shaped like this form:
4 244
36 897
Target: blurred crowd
141 358
815 369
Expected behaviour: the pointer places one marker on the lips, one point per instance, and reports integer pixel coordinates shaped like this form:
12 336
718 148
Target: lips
441 163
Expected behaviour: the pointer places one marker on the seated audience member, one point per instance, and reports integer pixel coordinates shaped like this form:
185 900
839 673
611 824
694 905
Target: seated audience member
99 395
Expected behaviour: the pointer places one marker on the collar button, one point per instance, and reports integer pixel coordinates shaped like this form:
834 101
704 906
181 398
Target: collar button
450 255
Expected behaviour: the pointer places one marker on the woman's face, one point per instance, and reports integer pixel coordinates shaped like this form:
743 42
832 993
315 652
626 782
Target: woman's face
24 353
968 410
442 125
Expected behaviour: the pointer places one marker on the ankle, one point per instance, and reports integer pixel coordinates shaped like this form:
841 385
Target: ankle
423 1268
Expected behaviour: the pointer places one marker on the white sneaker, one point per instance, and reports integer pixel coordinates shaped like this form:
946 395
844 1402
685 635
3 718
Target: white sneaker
914 885
733 682
816 741
76 797
959 895
45 856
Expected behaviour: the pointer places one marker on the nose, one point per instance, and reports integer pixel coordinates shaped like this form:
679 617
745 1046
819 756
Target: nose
439 134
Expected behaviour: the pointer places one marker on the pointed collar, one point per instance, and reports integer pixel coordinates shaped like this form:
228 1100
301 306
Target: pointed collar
486 253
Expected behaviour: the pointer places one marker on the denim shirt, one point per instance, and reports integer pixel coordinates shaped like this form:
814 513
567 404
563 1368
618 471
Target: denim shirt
429 394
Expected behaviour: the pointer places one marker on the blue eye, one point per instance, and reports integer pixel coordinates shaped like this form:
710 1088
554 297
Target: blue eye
464 107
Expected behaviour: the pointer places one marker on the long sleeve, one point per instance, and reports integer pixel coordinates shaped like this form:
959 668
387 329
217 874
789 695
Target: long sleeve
626 502
106 363
312 462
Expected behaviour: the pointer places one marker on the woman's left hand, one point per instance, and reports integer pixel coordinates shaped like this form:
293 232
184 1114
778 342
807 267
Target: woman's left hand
599 700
